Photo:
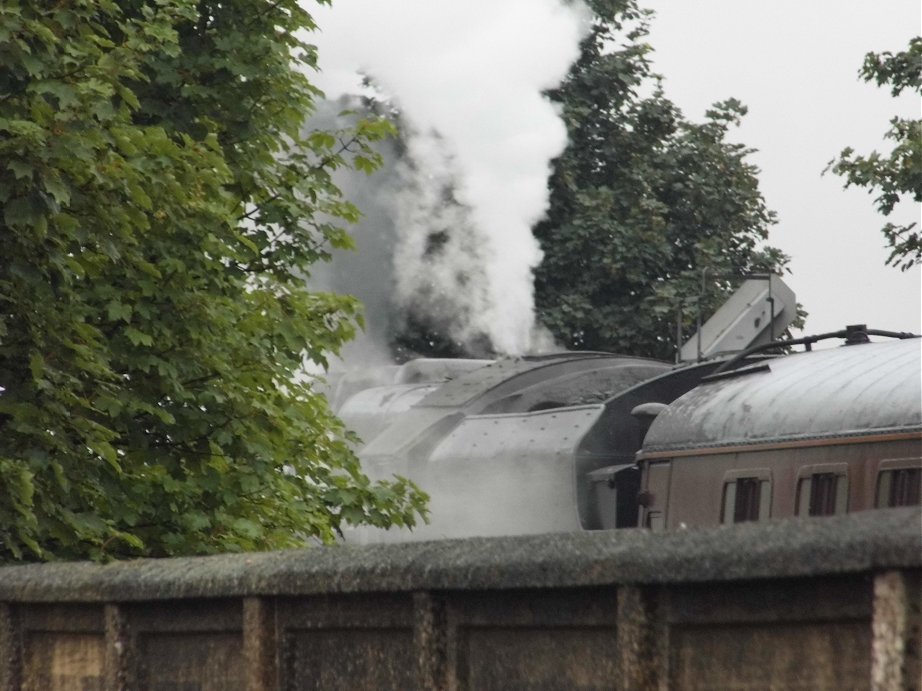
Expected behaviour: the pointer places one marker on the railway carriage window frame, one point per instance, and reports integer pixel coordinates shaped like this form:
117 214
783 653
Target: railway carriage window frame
656 521
747 495
906 491
822 489
657 482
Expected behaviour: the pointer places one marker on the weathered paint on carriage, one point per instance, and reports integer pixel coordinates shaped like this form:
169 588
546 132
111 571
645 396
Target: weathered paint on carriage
812 433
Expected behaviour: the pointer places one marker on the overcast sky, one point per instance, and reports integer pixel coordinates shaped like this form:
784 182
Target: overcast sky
794 63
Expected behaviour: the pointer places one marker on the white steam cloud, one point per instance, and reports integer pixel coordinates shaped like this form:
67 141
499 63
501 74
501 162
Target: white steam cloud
468 78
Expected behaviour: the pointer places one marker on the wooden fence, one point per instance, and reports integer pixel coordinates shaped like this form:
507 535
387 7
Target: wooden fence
808 604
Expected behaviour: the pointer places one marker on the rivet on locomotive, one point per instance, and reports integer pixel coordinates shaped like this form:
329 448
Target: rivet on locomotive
579 440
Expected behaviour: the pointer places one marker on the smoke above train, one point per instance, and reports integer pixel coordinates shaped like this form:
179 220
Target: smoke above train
447 235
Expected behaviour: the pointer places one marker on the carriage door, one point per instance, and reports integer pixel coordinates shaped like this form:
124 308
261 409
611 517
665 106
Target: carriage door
655 497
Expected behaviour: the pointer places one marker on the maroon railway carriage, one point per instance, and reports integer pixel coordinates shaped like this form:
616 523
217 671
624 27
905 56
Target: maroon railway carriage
807 434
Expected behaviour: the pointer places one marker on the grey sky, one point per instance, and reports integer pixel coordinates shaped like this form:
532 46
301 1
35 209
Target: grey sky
795 64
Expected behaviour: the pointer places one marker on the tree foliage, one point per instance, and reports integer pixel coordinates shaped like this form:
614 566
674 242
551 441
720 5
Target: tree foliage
643 203
160 210
897 175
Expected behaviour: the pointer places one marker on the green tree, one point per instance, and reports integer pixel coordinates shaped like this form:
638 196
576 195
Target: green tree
642 202
898 175
159 210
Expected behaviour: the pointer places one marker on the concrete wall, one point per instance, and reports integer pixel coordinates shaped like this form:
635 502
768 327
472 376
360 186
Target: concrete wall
811 604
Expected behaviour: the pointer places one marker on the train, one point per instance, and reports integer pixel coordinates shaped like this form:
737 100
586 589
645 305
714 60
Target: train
594 441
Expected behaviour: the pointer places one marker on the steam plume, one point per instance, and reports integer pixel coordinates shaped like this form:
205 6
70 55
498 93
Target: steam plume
468 79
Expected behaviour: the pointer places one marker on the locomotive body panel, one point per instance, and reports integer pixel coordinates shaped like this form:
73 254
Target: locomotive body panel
507 474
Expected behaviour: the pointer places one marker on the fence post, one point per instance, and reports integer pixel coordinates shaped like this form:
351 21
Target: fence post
10 649
119 673
895 629
260 644
639 654
429 641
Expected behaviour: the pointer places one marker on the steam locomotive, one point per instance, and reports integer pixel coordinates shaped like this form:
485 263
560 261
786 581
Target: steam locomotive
591 441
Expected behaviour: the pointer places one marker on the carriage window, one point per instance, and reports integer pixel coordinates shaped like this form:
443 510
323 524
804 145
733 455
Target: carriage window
899 486
746 502
747 496
822 490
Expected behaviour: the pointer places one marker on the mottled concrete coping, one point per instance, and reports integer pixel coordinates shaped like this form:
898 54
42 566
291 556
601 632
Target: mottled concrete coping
856 543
